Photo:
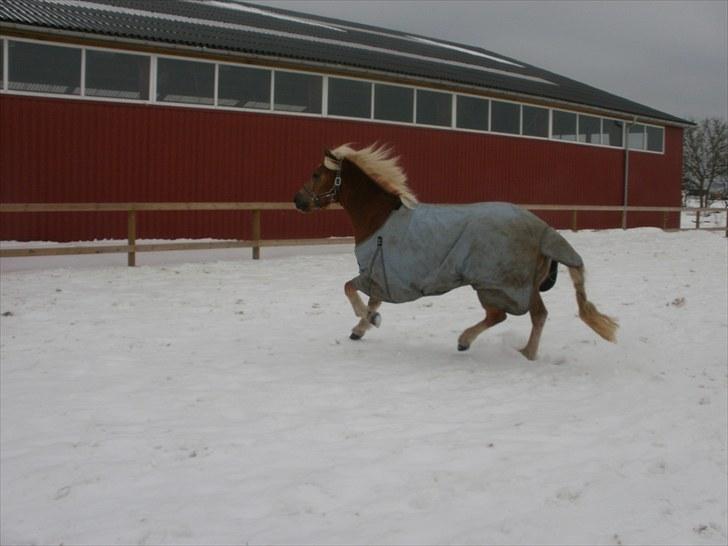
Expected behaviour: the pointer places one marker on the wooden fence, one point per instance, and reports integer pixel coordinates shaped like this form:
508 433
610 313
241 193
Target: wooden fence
256 242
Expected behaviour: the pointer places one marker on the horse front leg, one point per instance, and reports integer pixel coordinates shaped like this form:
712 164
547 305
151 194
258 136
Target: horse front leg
367 314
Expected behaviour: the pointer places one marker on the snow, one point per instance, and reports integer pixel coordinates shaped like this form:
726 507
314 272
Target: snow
221 402
707 219
293 35
461 49
250 9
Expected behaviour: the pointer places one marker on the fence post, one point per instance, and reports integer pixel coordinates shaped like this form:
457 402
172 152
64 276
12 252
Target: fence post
573 220
697 219
131 236
256 235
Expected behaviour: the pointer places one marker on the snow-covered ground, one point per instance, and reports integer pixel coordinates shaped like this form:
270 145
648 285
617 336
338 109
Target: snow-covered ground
707 219
221 402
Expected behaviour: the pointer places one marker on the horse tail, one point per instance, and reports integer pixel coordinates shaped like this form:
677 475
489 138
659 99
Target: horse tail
602 324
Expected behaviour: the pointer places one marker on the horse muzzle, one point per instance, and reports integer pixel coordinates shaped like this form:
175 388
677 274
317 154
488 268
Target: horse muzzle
302 202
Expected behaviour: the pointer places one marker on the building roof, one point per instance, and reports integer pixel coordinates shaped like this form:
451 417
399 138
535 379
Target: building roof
242 28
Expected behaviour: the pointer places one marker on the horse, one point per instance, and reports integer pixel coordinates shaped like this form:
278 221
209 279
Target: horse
406 250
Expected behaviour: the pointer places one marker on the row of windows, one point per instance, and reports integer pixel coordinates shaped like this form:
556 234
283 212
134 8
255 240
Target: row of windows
42 68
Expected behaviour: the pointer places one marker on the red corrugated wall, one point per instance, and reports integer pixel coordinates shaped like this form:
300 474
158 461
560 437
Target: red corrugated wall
55 150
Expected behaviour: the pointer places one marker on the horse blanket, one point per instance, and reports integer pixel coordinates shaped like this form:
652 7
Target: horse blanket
432 249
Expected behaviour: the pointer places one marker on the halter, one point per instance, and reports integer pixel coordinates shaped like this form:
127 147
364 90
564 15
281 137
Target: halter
331 196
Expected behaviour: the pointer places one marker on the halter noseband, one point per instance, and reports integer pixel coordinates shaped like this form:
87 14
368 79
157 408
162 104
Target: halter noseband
331 196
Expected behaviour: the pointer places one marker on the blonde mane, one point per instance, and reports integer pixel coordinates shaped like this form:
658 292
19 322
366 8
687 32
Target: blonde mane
377 162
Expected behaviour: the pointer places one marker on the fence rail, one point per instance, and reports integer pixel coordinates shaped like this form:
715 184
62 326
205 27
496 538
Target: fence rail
256 242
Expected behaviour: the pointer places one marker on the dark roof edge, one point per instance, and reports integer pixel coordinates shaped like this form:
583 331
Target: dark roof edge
353 71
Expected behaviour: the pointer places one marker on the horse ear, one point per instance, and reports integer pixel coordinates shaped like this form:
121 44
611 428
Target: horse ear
330 155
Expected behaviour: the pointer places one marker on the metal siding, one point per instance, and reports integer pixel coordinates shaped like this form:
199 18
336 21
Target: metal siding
56 150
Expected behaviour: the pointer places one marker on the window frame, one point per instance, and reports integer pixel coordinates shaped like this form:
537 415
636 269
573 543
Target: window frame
520 118
202 61
419 90
242 108
414 104
488 100
340 116
324 89
152 92
548 121
85 69
6 69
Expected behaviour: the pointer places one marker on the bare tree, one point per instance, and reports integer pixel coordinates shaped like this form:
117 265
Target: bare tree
705 158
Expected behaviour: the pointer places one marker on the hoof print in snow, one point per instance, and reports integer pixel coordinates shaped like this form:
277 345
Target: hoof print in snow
708 530
568 494
62 492
8 314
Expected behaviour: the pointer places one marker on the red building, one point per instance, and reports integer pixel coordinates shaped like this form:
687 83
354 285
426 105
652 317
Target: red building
128 101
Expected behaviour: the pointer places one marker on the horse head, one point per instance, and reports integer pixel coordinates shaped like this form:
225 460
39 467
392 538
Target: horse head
323 187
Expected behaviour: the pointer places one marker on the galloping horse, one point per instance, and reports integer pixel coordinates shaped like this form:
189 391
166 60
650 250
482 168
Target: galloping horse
406 250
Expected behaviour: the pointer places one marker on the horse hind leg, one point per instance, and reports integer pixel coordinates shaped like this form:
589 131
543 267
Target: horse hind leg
493 316
372 318
538 319
367 314
537 310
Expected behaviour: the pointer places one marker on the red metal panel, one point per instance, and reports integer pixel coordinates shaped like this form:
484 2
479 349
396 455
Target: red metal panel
55 150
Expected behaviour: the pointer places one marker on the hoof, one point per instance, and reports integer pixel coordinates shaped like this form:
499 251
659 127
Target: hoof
375 320
354 336
463 347
526 354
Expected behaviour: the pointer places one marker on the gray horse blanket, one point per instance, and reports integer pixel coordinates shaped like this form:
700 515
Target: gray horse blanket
432 249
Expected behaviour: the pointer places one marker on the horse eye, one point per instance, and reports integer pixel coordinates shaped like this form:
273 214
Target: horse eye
316 176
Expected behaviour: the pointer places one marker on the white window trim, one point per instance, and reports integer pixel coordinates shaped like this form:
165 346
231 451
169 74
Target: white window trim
153 74
6 72
423 90
325 96
414 104
548 121
153 80
289 113
371 99
215 84
520 117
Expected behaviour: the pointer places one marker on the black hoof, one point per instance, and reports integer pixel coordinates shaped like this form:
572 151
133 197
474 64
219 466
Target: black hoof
375 320
463 347
354 336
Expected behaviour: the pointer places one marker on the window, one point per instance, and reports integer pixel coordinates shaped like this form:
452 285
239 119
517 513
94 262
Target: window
636 137
350 98
612 131
188 82
472 113
42 68
655 136
434 108
535 121
590 129
506 117
242 87
393 103
117 75
295 92
564 125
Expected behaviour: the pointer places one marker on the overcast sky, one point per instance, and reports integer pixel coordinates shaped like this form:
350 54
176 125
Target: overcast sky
669 55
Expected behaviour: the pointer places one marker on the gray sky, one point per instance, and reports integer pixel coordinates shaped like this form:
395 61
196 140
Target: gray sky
670 55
